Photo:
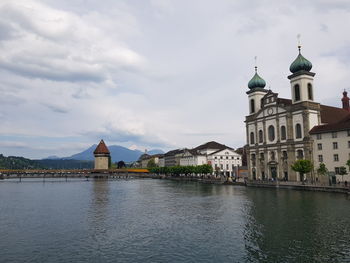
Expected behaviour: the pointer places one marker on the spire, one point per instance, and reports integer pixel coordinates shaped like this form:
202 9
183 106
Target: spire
101 148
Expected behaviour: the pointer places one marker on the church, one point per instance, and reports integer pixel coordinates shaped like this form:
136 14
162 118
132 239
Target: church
278 129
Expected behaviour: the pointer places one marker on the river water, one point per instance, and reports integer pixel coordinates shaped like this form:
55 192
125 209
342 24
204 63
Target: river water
149 220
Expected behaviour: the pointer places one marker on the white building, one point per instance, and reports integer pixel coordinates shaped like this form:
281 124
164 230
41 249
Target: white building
278 129
223 159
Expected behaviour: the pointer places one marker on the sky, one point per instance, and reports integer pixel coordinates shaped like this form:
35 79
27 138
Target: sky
152 74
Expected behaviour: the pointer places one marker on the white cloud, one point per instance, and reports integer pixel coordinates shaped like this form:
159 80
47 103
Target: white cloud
154 73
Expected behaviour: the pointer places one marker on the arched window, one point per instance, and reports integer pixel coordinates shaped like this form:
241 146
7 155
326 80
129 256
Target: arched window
283 133
300 154
271 131
252 141
309 91
298 131
252 106
296 92
261 139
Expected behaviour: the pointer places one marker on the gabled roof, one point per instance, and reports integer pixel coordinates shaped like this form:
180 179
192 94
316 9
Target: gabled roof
227 148
173 152
212 145
101 148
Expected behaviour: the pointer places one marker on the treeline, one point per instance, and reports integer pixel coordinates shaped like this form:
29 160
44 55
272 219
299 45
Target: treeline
57 164
183 170
16 163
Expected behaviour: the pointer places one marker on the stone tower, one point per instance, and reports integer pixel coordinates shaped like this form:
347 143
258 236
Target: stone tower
102 156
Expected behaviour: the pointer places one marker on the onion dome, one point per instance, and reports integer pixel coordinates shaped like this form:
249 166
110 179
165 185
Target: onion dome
256 81
300 63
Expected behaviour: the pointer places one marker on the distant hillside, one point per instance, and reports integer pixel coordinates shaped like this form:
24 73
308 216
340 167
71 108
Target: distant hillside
118 153
65 164
14 162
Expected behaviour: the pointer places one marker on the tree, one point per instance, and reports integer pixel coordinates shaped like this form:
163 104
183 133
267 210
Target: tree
342 172
322 169
302 166
121 164
151 163
348 164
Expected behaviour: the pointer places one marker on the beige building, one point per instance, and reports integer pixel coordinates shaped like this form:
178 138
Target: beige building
332 144
102 156
277 129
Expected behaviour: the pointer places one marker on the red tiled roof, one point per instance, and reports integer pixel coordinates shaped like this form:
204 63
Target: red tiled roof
342 125
332 114
101 148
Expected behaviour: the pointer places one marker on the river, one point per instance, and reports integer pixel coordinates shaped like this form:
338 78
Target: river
145 220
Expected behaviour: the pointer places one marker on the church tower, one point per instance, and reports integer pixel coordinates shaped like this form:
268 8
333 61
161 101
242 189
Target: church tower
102 156
256 92
301 80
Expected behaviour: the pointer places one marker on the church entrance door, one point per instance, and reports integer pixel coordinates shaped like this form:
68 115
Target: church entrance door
273 173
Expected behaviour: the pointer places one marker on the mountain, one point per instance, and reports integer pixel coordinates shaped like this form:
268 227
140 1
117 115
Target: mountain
118 153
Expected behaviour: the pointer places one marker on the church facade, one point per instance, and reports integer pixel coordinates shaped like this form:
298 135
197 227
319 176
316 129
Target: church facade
278 129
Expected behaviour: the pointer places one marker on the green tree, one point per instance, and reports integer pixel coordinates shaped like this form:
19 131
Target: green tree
322 169
302 166
342 172
348 164
151 163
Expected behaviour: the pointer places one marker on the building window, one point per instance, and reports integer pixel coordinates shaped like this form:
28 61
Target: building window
320 158
227 167
283 133
262 156
336 157
284 155
348 132
261 139
296 92
221 166
319 146
335 145
348 144
271 131
337 170
252 106
298 131
300 154
252 141
319 136
309 91
334 135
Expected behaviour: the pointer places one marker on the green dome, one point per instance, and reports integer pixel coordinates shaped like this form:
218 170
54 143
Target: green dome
256 82
300 63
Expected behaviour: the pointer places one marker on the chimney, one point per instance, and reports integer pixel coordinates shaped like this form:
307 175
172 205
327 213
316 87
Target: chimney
345 101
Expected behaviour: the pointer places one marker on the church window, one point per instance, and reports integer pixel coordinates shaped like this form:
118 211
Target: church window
300 154
252 141
309 91
261 139
283 133
296 92
252 106
271 131
298 131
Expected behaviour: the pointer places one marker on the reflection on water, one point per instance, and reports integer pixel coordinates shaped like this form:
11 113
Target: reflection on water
297 227
169 221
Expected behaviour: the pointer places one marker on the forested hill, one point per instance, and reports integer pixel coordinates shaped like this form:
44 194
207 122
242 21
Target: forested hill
13 162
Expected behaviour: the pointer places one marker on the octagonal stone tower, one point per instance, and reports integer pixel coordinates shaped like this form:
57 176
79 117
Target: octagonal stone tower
102 156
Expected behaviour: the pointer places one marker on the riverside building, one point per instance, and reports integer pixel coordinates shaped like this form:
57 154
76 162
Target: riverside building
280 131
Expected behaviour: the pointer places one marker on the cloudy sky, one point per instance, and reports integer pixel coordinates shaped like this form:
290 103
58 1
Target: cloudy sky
154 73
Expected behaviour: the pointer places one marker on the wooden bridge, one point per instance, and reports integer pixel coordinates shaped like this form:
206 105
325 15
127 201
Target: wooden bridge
84 173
